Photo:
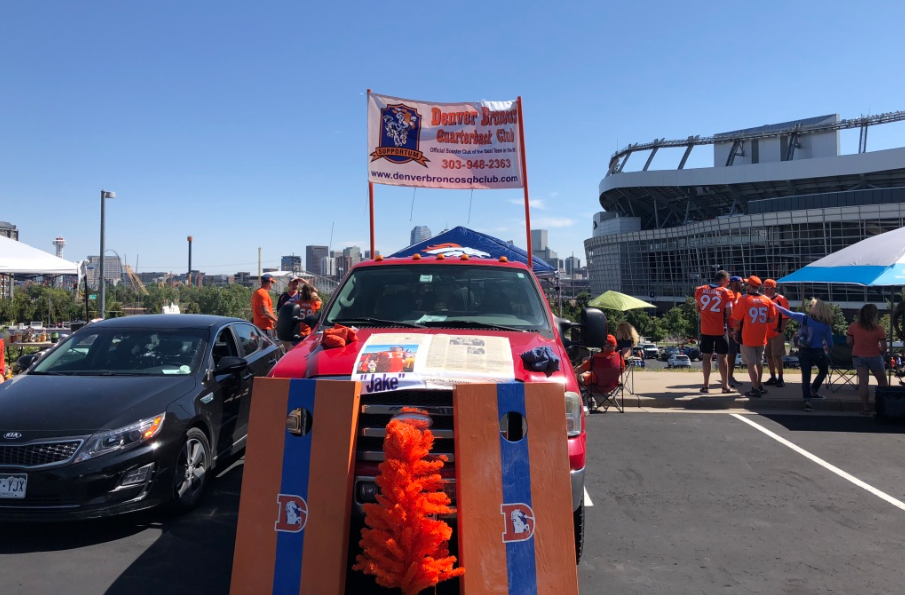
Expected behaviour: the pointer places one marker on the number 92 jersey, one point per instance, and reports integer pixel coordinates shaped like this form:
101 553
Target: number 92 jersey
712 301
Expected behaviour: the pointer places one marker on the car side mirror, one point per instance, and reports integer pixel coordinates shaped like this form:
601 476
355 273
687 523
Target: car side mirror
230 364
26 361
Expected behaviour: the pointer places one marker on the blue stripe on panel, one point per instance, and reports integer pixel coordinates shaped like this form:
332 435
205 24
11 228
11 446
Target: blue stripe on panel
521 565
287 573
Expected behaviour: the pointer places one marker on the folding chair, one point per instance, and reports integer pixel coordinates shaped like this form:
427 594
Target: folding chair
841 368
606 388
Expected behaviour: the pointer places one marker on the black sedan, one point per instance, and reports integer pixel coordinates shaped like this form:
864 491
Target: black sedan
127 414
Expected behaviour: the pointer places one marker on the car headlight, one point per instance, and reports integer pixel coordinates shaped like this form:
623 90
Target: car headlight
120 438
574 411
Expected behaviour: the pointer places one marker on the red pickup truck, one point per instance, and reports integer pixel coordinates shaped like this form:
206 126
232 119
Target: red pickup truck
445 321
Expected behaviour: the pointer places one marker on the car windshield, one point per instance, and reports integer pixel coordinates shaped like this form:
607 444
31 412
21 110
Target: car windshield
126 352
441 296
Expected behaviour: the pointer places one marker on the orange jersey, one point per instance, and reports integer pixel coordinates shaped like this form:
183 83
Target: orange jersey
777 329
307 309
755 314
712 301
390 361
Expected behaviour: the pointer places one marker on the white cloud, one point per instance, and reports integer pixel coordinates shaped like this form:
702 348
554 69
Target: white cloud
545 222
535 203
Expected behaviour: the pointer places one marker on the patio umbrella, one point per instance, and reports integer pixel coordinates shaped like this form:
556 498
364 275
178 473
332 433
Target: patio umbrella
613 300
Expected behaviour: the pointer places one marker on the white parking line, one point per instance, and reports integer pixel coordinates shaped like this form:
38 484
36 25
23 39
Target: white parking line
587 499
897 503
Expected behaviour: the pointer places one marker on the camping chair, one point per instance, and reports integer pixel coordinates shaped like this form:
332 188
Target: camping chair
841 369
606 388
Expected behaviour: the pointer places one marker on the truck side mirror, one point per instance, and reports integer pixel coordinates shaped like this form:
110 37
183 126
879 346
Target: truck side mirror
288 322
594 328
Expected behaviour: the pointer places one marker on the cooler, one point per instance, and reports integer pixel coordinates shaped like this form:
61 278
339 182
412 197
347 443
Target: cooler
890 403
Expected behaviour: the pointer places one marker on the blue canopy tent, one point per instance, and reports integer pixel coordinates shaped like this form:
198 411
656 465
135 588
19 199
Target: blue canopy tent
878 261
461 240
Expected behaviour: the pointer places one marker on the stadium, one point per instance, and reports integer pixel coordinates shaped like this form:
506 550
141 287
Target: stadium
777 198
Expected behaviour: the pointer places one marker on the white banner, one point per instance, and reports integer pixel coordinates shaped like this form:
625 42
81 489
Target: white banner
443 145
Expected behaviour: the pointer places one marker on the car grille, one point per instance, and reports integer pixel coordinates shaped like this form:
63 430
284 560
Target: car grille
378 409
38 454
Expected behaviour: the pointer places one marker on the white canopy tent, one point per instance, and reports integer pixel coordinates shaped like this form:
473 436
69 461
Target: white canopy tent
17 258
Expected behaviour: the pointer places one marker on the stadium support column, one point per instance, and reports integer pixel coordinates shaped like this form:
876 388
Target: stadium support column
687 152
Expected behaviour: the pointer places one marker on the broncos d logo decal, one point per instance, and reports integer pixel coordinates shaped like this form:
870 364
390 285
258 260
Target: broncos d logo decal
292 515
518 522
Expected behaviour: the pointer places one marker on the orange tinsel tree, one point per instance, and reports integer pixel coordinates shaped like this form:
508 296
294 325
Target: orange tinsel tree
402 545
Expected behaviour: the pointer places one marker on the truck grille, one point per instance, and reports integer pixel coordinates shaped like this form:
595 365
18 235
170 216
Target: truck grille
38 454
378 409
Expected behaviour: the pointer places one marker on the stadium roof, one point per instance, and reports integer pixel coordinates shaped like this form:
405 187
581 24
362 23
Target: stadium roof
664 198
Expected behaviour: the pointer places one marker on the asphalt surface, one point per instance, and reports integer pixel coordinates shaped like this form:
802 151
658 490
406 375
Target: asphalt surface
704 503
683 502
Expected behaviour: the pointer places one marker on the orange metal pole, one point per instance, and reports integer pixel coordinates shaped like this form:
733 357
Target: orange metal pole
521 131
371 195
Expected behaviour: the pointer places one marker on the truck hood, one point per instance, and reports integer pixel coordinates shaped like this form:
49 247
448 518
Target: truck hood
309 359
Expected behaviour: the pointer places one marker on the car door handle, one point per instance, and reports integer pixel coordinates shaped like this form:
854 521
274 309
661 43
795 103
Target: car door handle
247 376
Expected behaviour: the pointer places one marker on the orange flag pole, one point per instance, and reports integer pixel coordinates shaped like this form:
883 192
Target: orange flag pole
521 132
371 194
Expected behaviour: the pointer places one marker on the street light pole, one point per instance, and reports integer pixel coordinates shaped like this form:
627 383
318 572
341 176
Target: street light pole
102 305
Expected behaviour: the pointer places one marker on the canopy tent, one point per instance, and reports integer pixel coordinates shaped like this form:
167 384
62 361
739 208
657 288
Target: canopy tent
17 258
613 300
461 240
878 261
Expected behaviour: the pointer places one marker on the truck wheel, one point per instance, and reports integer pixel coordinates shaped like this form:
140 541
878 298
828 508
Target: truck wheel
578 521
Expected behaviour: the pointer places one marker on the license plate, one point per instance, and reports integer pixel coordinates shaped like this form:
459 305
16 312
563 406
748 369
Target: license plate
13 486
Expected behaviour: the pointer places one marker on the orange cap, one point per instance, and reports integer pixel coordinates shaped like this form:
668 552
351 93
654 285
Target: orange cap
769 283
754 281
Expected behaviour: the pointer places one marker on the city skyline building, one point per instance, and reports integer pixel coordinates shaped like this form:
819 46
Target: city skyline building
353 253
419 234
538 239
291 263
313 258
113 269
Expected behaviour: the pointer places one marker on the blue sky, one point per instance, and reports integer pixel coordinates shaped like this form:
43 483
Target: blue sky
243 124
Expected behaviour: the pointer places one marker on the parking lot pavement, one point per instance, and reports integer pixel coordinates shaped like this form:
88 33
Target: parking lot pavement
683 502
145 553
704 503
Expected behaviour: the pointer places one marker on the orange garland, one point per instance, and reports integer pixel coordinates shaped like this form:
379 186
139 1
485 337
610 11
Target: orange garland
402 546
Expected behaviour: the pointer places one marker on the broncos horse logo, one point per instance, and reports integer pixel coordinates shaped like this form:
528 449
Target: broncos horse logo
400 135
398 127
452 250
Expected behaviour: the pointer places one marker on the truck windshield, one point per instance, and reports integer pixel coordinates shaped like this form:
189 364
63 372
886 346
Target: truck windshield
456 296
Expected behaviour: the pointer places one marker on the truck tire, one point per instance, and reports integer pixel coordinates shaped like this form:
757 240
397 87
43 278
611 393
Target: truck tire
578 521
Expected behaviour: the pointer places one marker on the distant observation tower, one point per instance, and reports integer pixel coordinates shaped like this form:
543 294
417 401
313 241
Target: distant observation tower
59 243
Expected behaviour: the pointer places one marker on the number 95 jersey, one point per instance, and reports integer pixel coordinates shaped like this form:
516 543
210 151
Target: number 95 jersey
712 301
756 314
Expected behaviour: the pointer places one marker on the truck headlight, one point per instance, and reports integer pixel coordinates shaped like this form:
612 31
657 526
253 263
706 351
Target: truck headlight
120 438
574 412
